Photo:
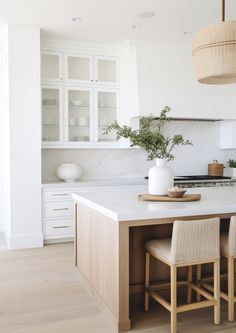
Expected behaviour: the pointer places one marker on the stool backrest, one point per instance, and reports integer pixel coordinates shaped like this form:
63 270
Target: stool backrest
195 240
232 236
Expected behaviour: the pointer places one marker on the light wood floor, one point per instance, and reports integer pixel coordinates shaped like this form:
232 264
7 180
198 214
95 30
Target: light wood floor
40 292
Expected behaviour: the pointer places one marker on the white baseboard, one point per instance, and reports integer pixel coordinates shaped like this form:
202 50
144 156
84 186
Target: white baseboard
25 241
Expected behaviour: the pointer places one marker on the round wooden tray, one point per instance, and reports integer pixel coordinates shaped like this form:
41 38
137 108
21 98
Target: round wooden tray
165 198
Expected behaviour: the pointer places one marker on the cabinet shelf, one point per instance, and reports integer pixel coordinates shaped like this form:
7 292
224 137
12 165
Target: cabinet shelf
107 107
79 126
50 125
50 106
79 107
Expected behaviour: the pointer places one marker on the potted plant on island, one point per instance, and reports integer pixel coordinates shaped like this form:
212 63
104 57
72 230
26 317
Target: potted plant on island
158 146
232 165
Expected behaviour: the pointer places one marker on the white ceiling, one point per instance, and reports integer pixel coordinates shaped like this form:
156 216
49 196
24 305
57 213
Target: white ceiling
111 20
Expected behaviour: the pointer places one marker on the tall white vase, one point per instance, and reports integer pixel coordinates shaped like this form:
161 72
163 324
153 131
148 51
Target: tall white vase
160 178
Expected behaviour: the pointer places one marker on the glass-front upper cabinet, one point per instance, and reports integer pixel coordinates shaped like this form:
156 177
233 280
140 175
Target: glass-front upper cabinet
51 66
106 70
79 114
78 68
51 114
107 111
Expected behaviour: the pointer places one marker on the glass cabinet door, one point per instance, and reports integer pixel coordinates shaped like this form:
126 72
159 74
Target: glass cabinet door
51 66
78 105
107 106
106 70
51 111
78 68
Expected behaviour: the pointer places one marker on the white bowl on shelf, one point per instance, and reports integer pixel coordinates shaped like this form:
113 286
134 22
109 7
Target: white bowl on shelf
69 172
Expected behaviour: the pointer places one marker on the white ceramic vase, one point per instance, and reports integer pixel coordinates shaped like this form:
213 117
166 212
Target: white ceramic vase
160 178
233 172
69 172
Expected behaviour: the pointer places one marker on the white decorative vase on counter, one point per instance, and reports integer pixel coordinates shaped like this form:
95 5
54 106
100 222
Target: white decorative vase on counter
69 172
160 178
233 173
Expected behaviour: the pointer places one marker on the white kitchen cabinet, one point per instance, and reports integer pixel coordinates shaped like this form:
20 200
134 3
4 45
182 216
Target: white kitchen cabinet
107 106
52 115
89 69
228 134
51 66
106 70
78 115
76 111
78 68
58 215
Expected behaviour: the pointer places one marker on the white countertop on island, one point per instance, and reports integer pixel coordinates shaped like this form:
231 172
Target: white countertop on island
122 204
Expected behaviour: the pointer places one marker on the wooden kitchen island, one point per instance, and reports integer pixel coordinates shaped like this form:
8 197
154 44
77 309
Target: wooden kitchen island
111 228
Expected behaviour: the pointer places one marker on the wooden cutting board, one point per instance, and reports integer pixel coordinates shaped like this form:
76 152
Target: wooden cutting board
165 198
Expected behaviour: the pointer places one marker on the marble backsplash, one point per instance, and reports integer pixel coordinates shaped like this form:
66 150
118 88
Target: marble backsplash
132 163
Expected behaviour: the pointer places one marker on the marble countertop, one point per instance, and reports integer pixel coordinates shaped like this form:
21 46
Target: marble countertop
94 183
122 204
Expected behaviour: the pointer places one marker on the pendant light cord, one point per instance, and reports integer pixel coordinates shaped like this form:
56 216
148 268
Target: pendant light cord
223 10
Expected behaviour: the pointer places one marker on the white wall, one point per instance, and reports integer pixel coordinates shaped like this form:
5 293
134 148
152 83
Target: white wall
166 77
4 133
132 163
24 112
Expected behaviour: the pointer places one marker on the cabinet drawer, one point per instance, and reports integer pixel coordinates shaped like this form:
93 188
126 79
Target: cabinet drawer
59 209
59 227
57 195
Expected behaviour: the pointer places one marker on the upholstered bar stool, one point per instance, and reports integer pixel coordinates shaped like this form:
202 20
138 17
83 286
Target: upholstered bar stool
228 250
193 242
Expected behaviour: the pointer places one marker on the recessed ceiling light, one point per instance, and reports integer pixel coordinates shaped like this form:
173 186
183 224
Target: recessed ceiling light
76 19
136 27
146 14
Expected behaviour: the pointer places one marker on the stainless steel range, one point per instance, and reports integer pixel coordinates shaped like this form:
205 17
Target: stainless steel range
203 181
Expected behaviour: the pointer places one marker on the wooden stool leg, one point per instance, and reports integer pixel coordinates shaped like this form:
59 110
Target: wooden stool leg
173 298
199 276
147 282
190 276
230 289
217 291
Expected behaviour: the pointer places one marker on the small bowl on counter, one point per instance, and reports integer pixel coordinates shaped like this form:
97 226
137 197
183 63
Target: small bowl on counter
176 192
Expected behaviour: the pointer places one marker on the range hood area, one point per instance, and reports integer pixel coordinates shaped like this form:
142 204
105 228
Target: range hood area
164 75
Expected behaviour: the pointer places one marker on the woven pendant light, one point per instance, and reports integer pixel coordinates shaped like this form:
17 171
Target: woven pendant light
214 52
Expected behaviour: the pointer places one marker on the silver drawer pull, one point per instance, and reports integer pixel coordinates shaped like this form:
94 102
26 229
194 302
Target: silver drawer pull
61 227
60 208
60 194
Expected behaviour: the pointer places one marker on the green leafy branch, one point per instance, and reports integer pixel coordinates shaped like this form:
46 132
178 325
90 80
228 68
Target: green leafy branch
232 163
150 136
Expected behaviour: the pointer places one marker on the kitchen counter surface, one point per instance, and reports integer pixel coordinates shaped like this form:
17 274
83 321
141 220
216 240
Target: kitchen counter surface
94 183
122 204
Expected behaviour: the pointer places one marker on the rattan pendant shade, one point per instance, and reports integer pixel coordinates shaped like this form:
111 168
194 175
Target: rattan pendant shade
214 53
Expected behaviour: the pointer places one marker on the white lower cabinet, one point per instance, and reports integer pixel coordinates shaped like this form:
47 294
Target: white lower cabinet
58 209
58 215
59 228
